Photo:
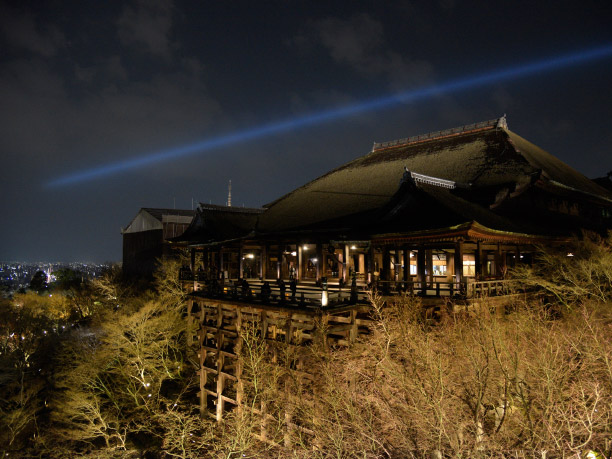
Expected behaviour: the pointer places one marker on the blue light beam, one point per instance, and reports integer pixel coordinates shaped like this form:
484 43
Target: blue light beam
277 127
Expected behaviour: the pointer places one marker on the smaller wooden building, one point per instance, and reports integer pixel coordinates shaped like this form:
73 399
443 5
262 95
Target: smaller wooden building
145 238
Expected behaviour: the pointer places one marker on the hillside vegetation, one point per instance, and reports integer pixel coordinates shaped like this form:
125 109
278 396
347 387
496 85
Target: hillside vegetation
106 373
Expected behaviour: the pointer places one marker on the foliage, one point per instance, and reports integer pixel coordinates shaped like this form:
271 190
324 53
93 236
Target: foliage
111 289
118 377
30 327
485 383
168 287
472 384
574 273
51 307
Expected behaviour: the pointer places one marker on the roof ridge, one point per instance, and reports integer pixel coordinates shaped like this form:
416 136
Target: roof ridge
235 209
452 132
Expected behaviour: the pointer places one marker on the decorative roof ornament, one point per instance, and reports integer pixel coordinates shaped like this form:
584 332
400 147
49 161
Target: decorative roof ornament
427 179
502 122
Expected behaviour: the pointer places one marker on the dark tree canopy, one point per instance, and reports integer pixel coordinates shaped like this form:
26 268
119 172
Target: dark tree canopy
39 282
67 279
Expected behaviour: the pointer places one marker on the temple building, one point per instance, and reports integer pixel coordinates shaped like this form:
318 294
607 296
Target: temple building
442 216
145 238
440 209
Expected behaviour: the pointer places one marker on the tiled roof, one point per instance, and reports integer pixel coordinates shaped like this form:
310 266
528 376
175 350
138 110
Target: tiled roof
488 160
213 223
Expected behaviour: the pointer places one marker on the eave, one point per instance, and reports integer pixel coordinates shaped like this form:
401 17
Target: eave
472 231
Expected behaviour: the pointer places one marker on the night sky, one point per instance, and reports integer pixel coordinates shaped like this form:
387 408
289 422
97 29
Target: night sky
85 84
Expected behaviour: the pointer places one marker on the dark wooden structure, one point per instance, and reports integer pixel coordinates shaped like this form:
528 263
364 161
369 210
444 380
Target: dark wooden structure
441 214
146 237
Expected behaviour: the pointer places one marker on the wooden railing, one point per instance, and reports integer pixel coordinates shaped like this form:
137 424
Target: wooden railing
489 288
292 293
468 288
420 288
281 293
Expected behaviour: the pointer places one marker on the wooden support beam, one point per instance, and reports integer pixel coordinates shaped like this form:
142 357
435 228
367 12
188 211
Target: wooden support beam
478 261
241 260
345 263
385 272
429 267
264 262
422 269
459 262
300 271
406 262
500 261
319 260
370 264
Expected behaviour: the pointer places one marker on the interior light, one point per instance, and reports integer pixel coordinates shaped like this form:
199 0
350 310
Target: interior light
304 247
293 254
570 254
353 247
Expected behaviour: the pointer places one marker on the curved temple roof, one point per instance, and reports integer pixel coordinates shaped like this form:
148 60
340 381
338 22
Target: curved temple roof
484 161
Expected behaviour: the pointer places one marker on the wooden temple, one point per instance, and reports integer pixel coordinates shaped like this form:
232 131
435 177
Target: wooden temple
145 238
438 215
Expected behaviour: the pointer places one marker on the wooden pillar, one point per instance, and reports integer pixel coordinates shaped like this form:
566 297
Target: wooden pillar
478 260
421 273
319 260
238 351
429 266
458 261
192 266
385 268
370 264
264 261
499 268
346 263
220 360
299 272
406 261
241 260
340 259
203 372
279 262
421 264
450 266
396 262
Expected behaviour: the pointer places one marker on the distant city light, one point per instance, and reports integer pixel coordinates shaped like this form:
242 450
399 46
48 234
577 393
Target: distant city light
410 96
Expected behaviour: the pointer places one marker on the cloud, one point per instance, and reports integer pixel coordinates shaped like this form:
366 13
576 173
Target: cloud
147 23
49 125
22 32
359 43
